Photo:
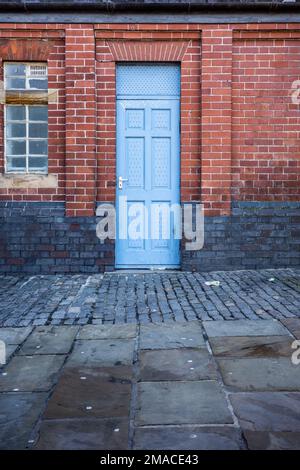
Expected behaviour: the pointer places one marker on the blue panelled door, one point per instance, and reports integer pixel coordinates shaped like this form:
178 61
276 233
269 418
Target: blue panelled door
148 165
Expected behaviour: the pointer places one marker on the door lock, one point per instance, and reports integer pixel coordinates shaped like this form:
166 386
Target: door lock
121 180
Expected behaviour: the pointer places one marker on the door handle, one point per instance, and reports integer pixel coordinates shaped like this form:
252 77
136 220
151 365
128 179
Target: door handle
121 180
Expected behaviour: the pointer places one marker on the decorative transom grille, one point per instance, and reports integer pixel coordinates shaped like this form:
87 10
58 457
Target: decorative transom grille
148 80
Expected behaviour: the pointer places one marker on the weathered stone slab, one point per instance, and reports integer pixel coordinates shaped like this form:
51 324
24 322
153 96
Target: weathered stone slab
10 349
253 346
260 440
267 411
176 364
293 325
50 340
91 393
181 403
188 438
101 353
171 335
108 331
244 328
18 414
14 335
31 373
84 434
260 374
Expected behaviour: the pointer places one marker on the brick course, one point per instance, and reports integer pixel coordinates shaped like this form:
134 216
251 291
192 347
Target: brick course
80 121
39 46
38 238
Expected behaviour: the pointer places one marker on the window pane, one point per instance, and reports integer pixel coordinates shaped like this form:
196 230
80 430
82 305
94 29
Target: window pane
38 84
14 163
15 84
14 69
15 113
38 130
38 113
15 130
16 147
38 147
37 163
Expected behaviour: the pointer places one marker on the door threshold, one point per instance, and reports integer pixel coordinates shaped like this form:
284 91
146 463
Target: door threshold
140 270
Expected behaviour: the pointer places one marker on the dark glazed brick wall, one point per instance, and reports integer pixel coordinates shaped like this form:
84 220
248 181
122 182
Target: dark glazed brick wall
38 238
257 235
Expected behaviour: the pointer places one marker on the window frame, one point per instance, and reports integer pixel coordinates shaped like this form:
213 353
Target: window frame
26 76
27 139
25 170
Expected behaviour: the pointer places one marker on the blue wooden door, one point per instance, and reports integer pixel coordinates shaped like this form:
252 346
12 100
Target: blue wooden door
148 165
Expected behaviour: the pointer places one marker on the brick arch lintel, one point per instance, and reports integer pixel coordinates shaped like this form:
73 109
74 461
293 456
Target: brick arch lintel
156 51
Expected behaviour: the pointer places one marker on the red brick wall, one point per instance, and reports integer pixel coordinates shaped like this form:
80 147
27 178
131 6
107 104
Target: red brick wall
239 127
39 46
265 122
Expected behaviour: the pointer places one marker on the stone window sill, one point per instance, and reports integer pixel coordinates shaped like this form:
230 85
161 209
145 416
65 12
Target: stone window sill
13 181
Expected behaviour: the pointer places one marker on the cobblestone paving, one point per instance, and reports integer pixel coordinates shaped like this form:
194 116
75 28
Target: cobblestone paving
128 297
180 385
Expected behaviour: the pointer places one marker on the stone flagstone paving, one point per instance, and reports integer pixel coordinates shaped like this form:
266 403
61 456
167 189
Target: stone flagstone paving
151 297
179 385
